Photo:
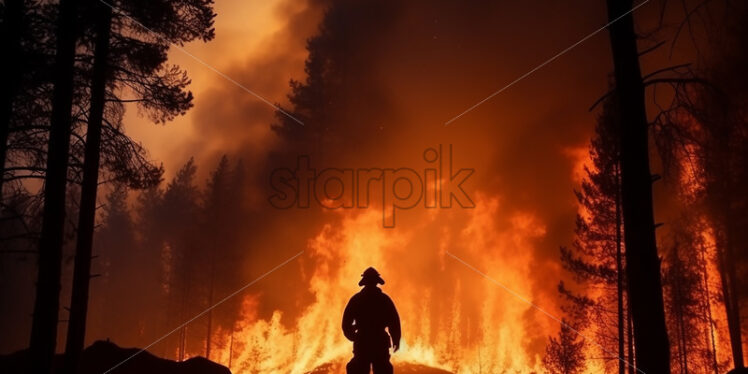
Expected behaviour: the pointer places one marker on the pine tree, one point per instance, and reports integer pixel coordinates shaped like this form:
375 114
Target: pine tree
703 135
683 299
160 90
217 205
180 225
117 249
565 354
642 261
596 256
25 82
46 305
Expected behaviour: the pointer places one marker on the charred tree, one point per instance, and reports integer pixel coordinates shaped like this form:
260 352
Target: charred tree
86 217
678 302
711 342
46 305
707 116
642 261
725 200
729 285
620 285
630 342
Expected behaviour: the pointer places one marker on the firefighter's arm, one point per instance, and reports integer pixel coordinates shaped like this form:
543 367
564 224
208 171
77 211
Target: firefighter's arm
348 329
394 326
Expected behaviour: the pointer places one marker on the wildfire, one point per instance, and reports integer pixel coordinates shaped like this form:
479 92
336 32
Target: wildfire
717 309
452 318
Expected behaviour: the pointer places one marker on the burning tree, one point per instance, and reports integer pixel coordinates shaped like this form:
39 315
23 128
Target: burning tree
703 141
687 298
565 354
595 258
642 261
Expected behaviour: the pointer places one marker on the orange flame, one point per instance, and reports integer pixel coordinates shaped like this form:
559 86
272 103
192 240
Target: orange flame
459 321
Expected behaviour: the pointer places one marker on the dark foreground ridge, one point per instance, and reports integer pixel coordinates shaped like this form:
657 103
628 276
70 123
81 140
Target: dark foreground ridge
103 355
400 368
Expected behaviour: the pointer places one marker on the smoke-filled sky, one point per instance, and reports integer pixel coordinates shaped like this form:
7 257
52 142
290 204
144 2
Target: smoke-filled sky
409 67
429 60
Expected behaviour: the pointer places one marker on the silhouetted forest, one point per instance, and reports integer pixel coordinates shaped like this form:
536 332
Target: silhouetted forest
698 139
91 227
73 65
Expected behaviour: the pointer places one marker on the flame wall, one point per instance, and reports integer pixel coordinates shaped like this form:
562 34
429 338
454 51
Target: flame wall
452 317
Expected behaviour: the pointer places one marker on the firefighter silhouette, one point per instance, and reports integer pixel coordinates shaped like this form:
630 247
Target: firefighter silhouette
365 318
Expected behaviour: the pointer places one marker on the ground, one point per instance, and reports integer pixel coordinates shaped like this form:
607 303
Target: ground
400 368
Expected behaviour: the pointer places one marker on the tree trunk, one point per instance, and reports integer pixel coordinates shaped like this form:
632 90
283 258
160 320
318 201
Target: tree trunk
725 228
733 315
209 331
622 363
630 343
708 306
642 262
47 303
11 78
727 277
86 218
182 343
678 310
231 349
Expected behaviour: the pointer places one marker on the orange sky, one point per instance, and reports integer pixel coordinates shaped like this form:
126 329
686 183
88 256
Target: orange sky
254 38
